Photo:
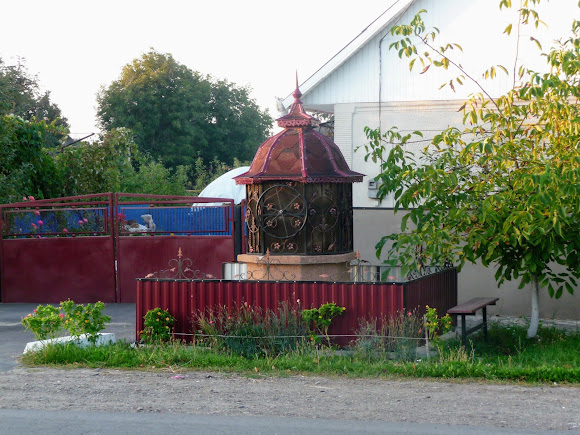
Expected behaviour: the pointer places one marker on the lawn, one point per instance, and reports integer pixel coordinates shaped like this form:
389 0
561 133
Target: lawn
507 355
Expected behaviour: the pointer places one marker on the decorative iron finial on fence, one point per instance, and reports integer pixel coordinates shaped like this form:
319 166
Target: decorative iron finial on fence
180 268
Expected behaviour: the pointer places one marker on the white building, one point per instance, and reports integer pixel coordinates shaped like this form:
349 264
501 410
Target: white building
365 72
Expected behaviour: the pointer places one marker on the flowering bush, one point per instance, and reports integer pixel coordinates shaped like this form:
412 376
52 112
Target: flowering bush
398 335
80 319
45 322
158 326
435 325
251 331
322 317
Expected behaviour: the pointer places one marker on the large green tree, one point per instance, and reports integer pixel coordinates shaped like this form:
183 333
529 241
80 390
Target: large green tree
505 188
20 95
114 164
26 167
178 115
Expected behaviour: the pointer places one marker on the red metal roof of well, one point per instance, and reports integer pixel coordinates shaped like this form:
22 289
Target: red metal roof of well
299 153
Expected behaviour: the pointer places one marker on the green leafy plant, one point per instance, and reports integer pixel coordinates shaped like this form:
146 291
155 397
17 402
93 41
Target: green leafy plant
84 320
501 189
158 326
435 325
249 331
393 337
322 318
45 322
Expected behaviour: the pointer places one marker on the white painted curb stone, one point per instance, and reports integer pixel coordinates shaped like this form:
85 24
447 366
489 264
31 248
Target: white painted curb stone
82 341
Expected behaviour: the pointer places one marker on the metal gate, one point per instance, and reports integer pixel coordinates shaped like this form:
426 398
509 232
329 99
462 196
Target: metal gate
92 247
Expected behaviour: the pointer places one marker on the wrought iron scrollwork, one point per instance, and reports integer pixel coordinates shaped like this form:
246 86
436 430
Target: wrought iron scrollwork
268 273
180 268
282 211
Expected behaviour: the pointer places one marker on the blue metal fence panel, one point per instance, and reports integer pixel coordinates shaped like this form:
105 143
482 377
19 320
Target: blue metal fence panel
211 220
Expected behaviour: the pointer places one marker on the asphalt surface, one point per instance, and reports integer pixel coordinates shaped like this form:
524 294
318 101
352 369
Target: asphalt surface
75 422
13 336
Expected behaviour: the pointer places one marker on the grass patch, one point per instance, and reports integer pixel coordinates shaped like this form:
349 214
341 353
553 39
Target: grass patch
508 355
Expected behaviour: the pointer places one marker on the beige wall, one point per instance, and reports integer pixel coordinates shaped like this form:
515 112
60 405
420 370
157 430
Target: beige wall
373 219
474 280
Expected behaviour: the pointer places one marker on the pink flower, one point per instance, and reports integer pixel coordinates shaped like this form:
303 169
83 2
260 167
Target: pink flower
65 230
24 198
35 311
31 198
40 223
211 322
85 220
80 222
61 316
409 314
33 225
36 212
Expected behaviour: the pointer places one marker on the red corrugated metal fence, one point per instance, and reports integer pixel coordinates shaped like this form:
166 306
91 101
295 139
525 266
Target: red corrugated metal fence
183 298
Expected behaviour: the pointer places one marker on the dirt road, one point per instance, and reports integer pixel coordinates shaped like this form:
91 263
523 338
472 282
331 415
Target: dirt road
535 408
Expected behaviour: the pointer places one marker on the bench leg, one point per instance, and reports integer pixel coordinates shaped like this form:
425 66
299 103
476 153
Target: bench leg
463 331
485 323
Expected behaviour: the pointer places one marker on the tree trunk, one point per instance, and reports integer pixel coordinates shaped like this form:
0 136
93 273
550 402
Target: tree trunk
535 318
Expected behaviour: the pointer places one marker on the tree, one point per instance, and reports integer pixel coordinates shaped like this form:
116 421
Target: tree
98 167
26 168
178 115
114 164
20 95
505 189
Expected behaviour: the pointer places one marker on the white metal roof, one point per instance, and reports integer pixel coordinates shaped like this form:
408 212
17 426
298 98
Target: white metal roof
395 8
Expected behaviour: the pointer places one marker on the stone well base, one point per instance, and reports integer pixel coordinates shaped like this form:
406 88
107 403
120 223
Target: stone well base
298 267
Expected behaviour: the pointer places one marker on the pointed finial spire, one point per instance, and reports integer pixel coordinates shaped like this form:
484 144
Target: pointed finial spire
297 94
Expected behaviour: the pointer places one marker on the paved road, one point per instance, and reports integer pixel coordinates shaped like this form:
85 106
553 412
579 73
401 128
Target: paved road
13 336
65 422
53 401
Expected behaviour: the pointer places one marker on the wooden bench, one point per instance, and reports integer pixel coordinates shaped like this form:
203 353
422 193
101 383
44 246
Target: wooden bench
468 309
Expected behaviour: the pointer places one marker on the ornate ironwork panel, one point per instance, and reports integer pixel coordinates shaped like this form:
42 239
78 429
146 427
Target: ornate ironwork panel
297 218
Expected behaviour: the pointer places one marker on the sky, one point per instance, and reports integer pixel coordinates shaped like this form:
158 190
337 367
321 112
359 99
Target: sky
76 47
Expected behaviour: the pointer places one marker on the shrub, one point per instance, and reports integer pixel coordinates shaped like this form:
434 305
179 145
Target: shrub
158 326
436 325
322 318
84 320
399 334
45 322
249 331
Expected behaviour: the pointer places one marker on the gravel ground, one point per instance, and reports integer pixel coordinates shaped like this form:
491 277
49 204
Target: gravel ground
484 405
534 408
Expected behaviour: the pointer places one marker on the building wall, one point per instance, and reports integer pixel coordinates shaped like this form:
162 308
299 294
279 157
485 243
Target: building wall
372 219
375 72
413 101
473 280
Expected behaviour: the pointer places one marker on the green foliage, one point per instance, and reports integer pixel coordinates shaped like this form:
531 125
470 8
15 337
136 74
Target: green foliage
250 331
552 357
436 325
153 177
178 115
504 189
84 320
400 334
20 95
322 317
26 168
99 166
48 322
158 326
45 322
